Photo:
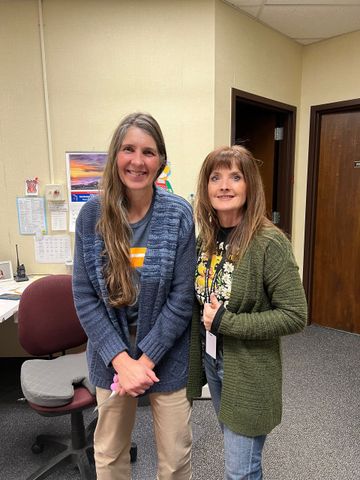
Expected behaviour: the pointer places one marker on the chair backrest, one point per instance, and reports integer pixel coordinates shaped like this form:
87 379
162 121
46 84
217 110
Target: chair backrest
48 322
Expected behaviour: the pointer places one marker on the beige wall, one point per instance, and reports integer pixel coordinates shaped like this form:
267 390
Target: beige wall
331 72
177 60
256 59
23 149
104 59
253 58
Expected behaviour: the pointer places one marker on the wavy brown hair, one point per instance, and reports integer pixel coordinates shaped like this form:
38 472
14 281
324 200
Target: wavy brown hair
113 224
254 211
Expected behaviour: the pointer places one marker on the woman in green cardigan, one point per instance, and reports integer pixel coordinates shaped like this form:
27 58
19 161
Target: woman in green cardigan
249 295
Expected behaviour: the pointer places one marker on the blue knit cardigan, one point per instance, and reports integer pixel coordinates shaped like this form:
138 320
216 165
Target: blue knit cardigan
165 300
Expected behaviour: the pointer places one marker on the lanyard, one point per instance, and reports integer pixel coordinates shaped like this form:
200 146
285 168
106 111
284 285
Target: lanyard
209 291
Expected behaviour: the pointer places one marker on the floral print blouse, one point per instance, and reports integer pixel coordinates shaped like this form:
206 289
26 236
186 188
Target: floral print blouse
215 275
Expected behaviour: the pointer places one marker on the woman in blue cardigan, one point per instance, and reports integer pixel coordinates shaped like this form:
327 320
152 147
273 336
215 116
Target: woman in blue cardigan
133 290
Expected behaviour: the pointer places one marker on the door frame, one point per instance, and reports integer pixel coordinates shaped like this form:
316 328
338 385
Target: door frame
287 146
316 113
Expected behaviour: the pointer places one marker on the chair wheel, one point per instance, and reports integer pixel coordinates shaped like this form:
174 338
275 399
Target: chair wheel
133 452
37 448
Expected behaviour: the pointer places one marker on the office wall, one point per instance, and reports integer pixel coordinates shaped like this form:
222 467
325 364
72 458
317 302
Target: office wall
23 150
331 72
177 60
104 59
252 57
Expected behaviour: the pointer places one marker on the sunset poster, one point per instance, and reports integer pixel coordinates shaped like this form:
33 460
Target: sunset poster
84 172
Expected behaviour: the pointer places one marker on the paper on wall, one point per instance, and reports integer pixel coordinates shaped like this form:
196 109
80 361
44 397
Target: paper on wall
52 249
58 221
31 215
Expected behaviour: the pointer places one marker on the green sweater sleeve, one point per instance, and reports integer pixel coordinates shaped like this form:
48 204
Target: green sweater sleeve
277 304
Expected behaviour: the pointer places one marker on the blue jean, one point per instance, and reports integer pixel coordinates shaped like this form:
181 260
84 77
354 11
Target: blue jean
242 454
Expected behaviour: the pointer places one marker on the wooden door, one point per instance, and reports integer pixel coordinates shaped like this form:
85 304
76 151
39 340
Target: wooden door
253 123
335 299
255 130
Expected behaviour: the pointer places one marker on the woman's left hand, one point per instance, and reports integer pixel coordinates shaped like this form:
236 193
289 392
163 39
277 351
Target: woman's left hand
210 310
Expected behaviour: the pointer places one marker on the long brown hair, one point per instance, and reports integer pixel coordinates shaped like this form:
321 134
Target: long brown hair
113 223
254 210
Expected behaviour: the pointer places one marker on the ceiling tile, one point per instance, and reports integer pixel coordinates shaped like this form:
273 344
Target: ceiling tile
306 21
310 2
311 21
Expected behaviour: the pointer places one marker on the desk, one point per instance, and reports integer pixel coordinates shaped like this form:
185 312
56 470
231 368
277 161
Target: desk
8 308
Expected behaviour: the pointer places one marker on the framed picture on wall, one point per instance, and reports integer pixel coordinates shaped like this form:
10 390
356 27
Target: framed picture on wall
84 172
6 272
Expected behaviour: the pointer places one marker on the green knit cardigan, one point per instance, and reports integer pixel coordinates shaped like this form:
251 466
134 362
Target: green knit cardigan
267 301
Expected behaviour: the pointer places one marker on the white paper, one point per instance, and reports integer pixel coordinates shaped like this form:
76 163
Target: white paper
210 344
8 308
52 249
58 220
31 214
58 206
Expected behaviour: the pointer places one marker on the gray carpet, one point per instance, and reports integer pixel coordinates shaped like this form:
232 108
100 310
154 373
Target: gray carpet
319 438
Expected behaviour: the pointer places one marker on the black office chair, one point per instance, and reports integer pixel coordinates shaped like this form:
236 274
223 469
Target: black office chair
48 324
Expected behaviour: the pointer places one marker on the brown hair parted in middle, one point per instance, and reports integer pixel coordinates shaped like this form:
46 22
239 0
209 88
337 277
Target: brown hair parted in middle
254 214
113 224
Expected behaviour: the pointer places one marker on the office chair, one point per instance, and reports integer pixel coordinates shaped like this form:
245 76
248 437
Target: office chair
48 324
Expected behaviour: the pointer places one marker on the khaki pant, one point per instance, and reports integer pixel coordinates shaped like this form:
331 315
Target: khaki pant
112 440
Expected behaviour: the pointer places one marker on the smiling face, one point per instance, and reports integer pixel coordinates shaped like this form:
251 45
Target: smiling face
138 161
227 194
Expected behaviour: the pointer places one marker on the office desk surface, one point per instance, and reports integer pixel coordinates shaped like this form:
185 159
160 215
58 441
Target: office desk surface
8 308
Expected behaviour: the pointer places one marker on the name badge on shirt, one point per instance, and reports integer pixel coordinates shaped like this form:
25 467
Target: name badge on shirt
210 345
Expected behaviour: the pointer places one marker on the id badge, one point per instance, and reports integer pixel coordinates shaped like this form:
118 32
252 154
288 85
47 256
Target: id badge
210 346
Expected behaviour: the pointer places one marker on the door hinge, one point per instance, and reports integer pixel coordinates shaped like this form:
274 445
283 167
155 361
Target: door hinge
276 217
279 133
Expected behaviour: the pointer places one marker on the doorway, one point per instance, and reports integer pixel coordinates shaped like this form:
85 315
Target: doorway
332 230
267 129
